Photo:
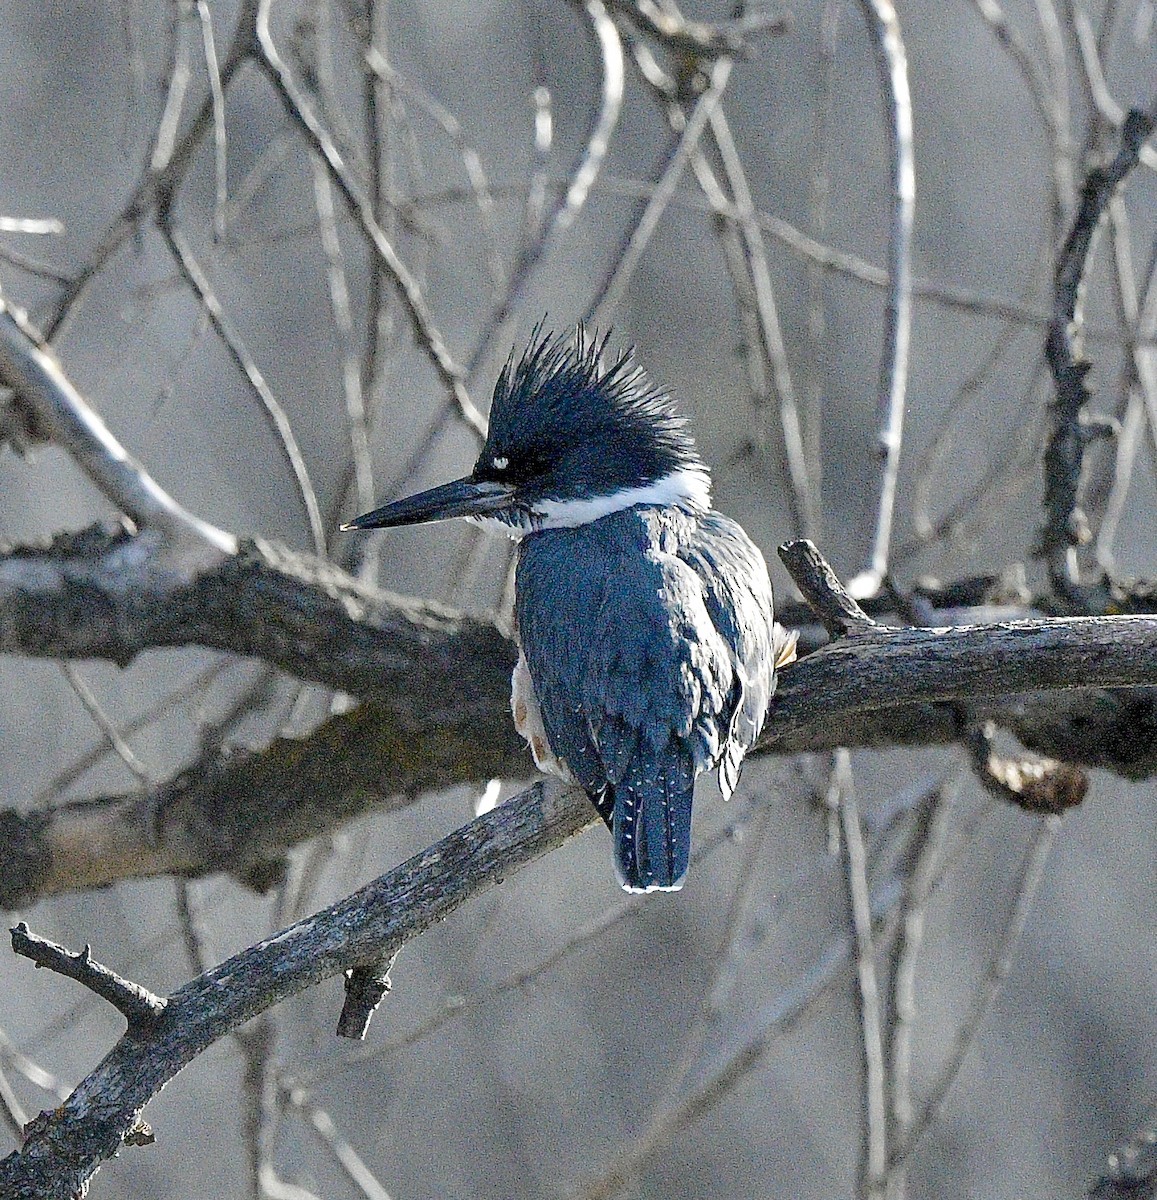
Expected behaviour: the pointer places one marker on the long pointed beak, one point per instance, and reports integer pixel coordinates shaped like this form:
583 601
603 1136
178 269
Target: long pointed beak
462 498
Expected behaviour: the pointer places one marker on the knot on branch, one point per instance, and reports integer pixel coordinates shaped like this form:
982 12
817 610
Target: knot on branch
1034 783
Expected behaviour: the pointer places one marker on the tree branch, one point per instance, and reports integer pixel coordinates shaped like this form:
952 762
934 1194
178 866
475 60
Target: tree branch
1064 524
140 1007
824 593
447 722
53 410
65 1147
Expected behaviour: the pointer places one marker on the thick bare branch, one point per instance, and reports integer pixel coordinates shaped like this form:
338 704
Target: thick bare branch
438 684
105 593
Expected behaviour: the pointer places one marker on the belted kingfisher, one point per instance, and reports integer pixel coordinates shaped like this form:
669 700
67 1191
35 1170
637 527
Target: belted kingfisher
647 646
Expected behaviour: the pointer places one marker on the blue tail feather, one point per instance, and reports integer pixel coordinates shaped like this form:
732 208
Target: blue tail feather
651 827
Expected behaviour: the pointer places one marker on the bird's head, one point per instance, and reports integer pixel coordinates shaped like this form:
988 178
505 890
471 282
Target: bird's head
573 436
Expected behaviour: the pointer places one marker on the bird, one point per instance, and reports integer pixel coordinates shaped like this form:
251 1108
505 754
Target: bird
647 645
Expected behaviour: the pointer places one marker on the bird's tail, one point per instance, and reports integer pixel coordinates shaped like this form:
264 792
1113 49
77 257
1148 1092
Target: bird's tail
651 827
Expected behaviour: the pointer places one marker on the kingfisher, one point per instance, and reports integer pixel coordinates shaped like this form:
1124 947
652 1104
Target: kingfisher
647 647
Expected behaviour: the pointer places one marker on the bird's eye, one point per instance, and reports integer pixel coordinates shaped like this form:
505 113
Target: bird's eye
501 463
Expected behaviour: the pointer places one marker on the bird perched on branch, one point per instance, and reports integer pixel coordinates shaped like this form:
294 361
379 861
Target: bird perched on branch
648 651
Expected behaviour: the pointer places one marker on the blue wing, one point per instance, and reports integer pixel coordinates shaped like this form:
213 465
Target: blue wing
738 597
625 630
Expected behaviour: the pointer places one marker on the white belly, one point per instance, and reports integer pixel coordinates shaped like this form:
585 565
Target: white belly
528 721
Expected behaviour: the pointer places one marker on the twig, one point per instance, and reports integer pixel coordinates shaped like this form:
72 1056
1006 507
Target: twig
56 412
725 967
1059 124
191 926
892 65
177 73
140 1007
874 1154
12 1113
261 1100
1064 526
581 178
32 1071
1092 47
171 160
1032 873
769 339
357 422
1024 60
351 1163
301 113
611 290
194 275
732 1064
697 38
217 98
36 225
112 735
825 595
928 839
472 164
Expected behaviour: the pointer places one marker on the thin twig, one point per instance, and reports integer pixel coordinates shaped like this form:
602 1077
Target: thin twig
732 1065
12 1113
194 275
696 38
570 202
874 1154
770 339
929 838
58 413
725 967
113 736
301 113
1031 876
471 160
351 1163
341 309
1060 123
610 292
220 143
892 65
178 74
173 159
